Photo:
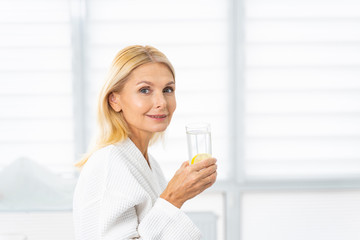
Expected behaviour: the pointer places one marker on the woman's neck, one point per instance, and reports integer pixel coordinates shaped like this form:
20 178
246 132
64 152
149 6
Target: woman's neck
142 144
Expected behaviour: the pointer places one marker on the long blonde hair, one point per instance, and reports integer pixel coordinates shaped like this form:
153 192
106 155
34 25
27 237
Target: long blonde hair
112 126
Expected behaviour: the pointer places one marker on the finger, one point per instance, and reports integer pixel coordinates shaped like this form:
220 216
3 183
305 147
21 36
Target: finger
210 180
207 171
204 163
206 182
184 164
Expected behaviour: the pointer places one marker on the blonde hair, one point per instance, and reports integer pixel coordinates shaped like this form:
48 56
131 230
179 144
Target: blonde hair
112 126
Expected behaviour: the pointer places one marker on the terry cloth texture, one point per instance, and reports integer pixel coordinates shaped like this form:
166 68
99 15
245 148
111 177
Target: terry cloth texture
117 197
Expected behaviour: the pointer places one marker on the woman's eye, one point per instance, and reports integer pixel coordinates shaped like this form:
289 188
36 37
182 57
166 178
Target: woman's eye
144 90
168 90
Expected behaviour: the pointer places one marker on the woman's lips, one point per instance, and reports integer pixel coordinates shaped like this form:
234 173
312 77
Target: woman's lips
158 116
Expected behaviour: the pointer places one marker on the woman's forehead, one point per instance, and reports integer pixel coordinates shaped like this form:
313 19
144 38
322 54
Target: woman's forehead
151 73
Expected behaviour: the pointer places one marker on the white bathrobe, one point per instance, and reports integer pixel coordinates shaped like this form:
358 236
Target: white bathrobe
117 197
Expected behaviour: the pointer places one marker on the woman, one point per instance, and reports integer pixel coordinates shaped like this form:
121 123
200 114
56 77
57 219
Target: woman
121 192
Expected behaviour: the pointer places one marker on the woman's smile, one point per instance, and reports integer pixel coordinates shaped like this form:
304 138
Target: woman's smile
157 117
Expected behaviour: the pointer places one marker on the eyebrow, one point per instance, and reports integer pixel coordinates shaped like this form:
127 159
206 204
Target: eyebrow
150 83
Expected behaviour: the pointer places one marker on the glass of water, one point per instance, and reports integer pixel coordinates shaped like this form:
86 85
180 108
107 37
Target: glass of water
199 141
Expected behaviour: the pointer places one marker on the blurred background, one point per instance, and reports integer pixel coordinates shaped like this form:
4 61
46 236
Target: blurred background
278 80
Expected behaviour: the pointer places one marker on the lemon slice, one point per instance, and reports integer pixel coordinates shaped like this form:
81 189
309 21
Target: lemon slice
199 157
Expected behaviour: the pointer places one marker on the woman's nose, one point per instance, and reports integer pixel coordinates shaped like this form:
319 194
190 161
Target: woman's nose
160 101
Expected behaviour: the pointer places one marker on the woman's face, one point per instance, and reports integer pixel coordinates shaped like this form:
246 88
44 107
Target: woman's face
147 99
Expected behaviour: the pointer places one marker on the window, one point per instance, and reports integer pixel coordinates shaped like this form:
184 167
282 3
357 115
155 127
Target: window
301 162
302 90
36 117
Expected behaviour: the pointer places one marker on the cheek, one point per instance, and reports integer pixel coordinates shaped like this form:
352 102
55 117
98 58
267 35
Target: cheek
172 105
140 105
137 104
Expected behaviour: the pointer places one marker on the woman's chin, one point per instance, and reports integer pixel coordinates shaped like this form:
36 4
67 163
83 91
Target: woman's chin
159 130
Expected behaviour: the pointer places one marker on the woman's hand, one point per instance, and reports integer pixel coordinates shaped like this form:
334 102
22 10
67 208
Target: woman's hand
189 181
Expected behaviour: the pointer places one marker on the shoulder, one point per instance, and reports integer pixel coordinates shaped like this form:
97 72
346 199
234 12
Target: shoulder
117 160
102 153
111 166
104 162
99 158
92 178
113 153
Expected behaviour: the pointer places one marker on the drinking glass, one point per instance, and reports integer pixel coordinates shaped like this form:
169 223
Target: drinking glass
198 141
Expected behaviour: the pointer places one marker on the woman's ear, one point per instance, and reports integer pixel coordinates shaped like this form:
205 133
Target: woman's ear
114 100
